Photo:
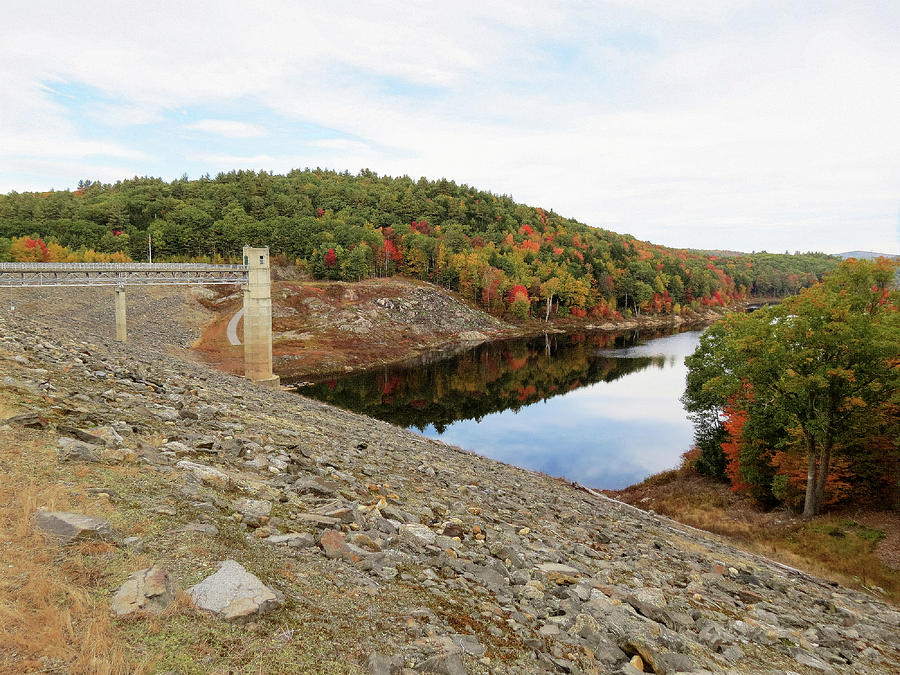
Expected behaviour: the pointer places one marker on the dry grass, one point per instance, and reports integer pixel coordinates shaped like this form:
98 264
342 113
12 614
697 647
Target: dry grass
837 546
53 615
54 601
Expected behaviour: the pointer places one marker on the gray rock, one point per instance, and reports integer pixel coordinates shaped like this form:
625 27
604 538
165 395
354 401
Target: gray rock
71 450
732 653
557 568
310 486
314 519
645 646
147 590
253 511
715 637
379 664
66 526
205 474
416 535
810 661
136 544
27 420
446 664
467 644
519 578
490 578
79 434
233 593
650 596
293 539
673 662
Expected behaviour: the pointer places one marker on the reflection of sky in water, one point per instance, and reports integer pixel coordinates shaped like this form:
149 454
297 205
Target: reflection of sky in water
605 435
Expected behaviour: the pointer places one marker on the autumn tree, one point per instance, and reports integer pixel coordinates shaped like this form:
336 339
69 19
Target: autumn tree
817 365
28 249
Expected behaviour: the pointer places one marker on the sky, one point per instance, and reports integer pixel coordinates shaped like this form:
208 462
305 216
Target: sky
718 124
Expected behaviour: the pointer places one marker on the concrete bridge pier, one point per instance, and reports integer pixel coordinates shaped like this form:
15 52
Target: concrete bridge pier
258 317
121 325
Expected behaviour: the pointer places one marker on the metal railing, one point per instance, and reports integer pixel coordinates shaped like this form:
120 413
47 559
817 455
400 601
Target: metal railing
14 275
125 267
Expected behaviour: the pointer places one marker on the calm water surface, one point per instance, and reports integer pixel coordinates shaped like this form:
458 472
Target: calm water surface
598 408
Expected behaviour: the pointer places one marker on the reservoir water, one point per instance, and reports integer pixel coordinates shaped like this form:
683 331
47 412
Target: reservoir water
598 408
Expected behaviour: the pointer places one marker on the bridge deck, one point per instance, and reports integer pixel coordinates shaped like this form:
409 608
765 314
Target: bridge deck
118 274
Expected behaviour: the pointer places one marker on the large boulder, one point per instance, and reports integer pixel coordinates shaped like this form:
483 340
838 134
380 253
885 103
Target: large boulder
333 545
417 535
147 590
254 512
205 474
66 526
234 594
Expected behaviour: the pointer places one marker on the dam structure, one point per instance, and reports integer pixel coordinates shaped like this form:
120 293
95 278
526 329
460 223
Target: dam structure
254 275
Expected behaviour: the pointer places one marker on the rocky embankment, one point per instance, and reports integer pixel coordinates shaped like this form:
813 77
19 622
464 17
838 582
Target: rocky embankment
252 530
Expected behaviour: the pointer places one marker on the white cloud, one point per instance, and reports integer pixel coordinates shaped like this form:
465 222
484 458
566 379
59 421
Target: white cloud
705 123
127 115
228 128
225 162
341 144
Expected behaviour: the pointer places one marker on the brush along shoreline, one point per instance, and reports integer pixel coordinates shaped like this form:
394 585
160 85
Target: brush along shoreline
233 527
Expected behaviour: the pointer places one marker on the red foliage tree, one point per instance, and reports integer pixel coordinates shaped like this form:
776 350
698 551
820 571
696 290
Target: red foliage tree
391 252
421 226
330 258
736 418
517 292
26 249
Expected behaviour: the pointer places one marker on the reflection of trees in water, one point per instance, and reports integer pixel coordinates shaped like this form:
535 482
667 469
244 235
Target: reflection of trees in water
496 376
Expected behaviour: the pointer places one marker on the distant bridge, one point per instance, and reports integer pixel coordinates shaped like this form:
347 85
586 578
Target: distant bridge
253 275
118 274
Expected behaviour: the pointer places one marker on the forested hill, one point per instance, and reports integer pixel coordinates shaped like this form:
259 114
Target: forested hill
503 255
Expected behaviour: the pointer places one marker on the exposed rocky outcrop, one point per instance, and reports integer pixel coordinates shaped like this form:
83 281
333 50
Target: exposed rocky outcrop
234 594
422 557
148 590
66 527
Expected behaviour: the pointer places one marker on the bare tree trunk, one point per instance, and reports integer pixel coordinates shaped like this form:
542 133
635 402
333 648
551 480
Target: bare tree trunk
549 301
824 467
809 506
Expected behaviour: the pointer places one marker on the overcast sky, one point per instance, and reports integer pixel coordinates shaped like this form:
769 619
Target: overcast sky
691 123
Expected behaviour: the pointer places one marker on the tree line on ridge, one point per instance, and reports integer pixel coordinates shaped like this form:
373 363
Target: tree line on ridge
506 257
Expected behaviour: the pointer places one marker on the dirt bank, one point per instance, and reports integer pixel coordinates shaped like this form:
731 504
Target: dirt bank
321 328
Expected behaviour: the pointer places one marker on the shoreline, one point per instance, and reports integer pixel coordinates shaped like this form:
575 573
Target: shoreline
306 346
